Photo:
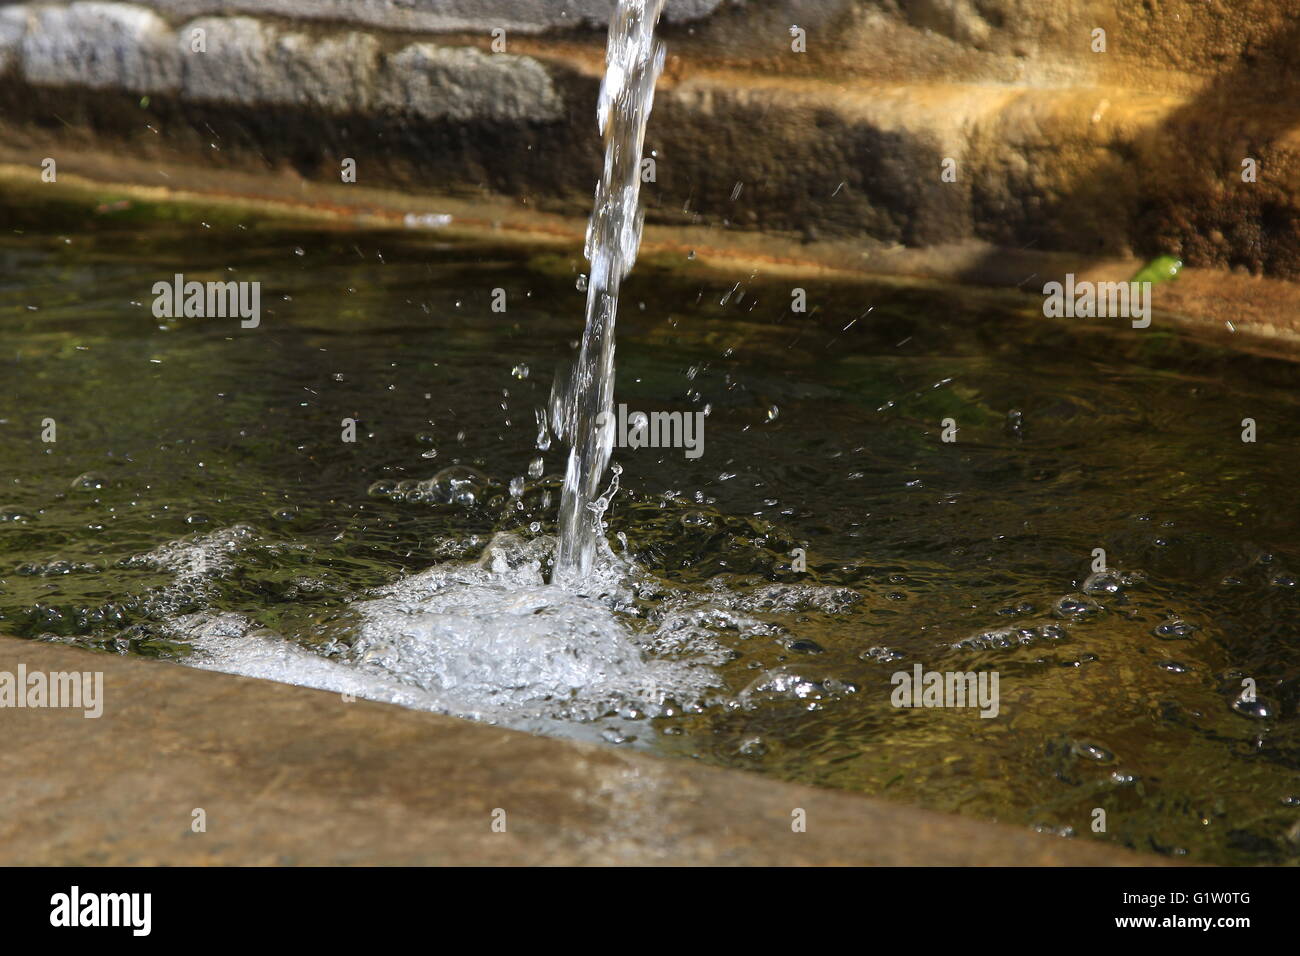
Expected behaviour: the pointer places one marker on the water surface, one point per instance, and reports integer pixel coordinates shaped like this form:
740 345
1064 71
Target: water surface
200 505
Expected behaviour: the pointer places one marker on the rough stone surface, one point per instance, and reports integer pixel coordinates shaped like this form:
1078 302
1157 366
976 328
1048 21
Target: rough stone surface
437 15
100 46
253 62
287 775
249 61
13 25
463 83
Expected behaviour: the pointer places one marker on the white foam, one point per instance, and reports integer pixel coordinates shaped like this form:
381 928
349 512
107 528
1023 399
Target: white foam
488 640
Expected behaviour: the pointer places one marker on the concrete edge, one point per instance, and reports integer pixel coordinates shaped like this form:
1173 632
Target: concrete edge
284 775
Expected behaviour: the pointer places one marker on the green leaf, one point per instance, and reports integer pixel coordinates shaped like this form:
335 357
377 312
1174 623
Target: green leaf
1159 269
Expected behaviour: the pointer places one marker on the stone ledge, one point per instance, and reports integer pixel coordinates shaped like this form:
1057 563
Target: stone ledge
254 62
292 776
1244 312
436 16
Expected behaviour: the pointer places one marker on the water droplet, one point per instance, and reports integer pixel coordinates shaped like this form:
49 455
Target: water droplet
543 442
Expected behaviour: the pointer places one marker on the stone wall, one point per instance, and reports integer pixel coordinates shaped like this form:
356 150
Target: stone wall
1049 142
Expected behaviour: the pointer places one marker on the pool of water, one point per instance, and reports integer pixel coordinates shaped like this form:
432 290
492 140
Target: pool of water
199 504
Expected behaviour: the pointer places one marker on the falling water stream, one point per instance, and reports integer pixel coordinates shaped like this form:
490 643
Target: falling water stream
634 60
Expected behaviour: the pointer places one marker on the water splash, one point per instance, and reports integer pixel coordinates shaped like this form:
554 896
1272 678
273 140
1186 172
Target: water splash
633 62
487 640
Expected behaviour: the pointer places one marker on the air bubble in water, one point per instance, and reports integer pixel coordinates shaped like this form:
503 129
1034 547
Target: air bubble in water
1256 709
1174 629
90 481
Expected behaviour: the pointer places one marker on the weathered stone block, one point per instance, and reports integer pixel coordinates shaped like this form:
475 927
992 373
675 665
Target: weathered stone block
100 46
465 84
253 62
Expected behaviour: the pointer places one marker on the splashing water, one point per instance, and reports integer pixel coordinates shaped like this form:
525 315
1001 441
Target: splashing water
634 60
492 639
488 640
